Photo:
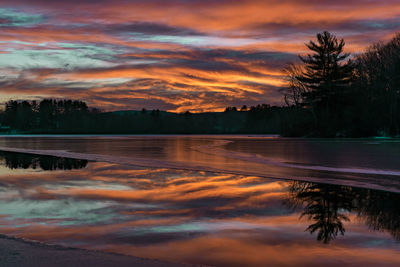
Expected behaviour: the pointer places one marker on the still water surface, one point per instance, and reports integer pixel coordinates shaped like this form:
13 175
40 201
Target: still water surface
192 215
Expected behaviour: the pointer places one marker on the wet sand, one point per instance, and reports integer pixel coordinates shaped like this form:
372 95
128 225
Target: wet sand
15 252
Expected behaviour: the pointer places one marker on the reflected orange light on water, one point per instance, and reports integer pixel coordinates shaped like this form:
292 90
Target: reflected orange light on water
185 216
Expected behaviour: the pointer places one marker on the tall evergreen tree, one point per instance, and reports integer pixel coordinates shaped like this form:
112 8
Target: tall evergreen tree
326 78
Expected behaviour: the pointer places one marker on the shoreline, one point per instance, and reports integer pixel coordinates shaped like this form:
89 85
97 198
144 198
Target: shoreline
15 252
255 135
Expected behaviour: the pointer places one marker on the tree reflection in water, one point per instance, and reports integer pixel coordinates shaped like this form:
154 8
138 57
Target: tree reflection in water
47 163
380 210
328 207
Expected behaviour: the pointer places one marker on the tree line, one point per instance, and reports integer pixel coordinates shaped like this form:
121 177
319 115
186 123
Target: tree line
339 94
51 116
46 114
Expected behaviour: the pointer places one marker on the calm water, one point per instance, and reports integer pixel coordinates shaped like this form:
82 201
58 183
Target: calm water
232 216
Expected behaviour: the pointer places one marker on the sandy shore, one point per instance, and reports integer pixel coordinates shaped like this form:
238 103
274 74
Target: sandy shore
16 252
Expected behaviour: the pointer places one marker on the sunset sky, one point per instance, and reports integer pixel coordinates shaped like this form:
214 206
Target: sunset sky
175 55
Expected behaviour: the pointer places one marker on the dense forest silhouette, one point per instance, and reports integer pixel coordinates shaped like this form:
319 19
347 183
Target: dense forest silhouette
14 160
51 116
328 207
329 93
336 94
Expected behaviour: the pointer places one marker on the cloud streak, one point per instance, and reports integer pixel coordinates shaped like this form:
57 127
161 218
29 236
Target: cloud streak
174 55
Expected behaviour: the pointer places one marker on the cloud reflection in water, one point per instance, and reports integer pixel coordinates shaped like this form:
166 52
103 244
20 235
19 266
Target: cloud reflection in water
198 217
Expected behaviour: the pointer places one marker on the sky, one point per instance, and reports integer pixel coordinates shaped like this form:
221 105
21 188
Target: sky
174 55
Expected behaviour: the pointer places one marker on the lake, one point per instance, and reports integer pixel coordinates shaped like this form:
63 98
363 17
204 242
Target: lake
214 200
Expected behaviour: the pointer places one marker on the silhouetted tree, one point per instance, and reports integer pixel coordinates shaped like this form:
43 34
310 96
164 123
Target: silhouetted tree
230 109
295 90
325 81
378 86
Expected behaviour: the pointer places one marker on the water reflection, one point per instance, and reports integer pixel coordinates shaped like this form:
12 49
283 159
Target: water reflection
201 217
261 156
328 207
380 211
47 163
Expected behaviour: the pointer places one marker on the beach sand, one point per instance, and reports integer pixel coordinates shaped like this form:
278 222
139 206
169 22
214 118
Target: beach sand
15 252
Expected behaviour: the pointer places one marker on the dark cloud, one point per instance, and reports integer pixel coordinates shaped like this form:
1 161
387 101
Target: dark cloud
290 29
